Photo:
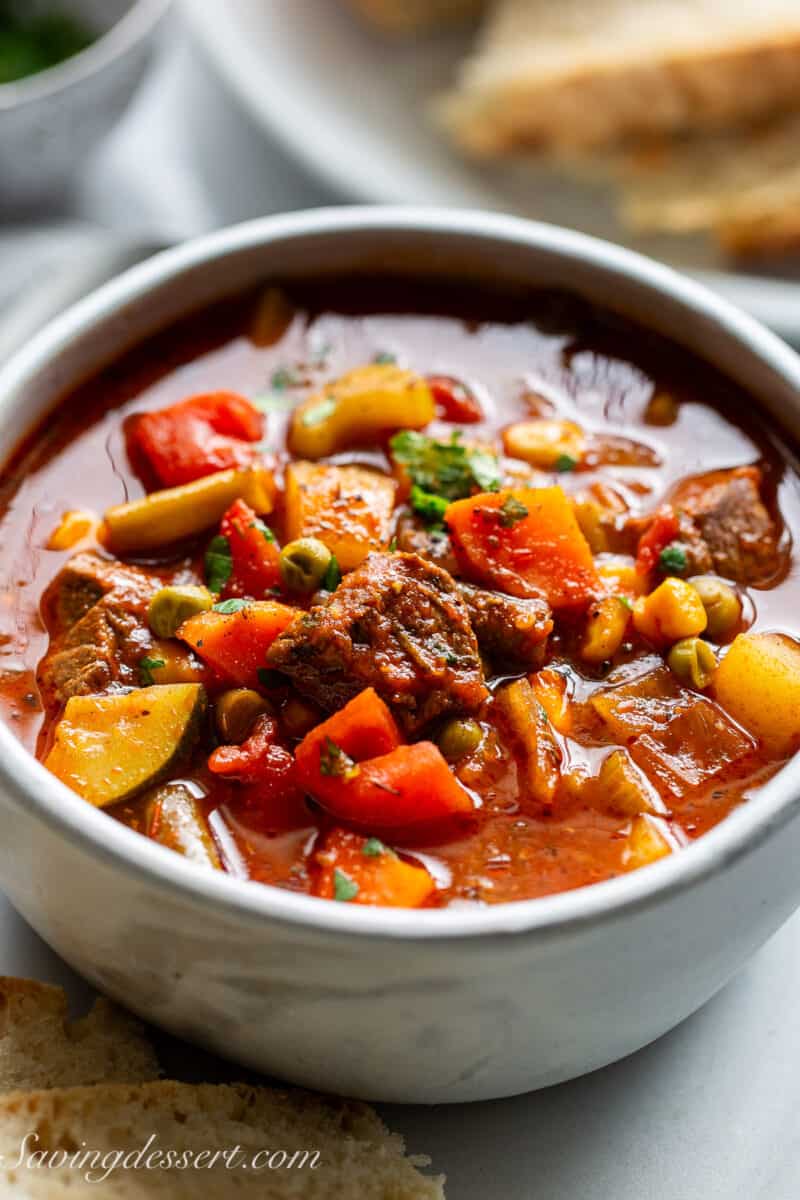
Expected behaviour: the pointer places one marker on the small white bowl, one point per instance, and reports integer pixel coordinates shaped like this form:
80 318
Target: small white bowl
49 122
431 1006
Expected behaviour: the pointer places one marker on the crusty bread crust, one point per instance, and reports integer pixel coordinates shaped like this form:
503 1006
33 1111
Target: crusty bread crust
358 1157
553 85
41 1048
415 16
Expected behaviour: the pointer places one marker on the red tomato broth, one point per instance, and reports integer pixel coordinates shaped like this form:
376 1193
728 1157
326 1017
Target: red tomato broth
517 356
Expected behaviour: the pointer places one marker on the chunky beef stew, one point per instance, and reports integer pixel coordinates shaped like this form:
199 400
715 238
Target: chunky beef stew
377 593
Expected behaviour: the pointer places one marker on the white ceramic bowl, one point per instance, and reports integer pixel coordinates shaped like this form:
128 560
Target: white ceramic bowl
49 122
390 1004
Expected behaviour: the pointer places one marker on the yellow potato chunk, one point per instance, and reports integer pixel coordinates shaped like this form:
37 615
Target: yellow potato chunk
673 611
758 684
605 628
364 406
545 444
350 509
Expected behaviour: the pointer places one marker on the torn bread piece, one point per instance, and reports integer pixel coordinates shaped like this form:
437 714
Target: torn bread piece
41 1048
295 1146
415 16
580 74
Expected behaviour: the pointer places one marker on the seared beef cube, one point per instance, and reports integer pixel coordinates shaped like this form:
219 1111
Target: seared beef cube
397 624
415 537
731 524
512 632
96 611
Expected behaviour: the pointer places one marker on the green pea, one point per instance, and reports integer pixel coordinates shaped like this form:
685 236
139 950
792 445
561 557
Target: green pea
693 661
304 564
722 604
171 606
236 712
459 738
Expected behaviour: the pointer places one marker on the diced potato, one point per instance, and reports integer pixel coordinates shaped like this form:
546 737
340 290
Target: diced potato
648 840
75 526
605 629
619 575
350 509
758 683
364 406
172 514
545 444
673 611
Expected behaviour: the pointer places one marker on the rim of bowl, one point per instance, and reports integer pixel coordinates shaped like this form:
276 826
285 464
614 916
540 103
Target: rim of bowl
29 785
134 26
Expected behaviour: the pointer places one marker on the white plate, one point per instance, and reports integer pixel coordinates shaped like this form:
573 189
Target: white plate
352 107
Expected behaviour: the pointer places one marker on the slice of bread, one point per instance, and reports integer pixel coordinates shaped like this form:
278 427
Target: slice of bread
40 1048
414 16
561 74
357 1157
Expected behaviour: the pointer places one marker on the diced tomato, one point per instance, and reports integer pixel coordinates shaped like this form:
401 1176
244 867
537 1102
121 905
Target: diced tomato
663 530
364 871
455 401
266 772
363 729
525 542
254 551
235 644
196 437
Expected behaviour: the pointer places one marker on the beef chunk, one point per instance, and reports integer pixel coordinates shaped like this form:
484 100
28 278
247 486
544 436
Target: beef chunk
397 624
512 632
415 537
727 528
96 612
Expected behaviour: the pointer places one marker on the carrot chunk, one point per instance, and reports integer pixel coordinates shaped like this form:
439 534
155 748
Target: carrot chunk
364 871
363 729
524 541
236 643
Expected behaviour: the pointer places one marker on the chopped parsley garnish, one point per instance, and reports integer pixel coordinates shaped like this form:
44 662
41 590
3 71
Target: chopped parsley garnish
334 762
511 512
344 888
565 462
626 602
333 575
429 506
219 563
231 606
263 529
384 358
450 470
283 378
672 560
319 412
393 545
146 668
373 847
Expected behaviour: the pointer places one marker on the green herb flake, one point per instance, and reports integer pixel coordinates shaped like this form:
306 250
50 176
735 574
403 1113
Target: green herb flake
373 847
429 506
146 668
333 762
333 575
565 462
626 602
218 563
263 529
319 412
511 512
231 606
384 358
393 545
672 560
344 888
283 378
450 469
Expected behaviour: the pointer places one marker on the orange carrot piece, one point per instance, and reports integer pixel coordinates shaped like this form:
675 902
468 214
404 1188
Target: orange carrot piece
364 871
236 643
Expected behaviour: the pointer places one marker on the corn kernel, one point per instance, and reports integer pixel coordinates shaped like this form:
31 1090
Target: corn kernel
673 611
605 629
544 443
